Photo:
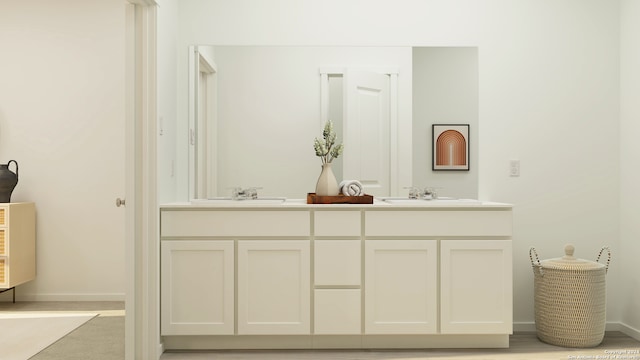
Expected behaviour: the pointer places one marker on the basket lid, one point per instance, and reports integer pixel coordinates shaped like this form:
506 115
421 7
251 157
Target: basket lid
569 262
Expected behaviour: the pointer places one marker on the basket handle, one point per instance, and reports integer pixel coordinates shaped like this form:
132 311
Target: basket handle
532 253
608 257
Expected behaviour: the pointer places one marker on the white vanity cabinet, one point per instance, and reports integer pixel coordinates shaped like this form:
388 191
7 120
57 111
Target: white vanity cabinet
201 272
336 276
473 268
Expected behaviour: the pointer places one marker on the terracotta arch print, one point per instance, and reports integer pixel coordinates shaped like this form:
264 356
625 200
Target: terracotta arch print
450 147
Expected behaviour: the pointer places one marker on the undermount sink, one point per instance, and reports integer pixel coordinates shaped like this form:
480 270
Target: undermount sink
228 200
440 200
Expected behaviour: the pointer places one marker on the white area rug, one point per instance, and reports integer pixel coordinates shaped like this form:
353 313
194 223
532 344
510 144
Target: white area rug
24 334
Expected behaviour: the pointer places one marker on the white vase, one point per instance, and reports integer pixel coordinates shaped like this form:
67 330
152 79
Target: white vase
327 184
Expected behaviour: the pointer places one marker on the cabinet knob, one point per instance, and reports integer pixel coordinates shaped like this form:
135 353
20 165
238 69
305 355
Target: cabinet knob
120 202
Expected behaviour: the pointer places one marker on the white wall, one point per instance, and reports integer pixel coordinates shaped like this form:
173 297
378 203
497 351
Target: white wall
62 119
629 296
548 96
167 99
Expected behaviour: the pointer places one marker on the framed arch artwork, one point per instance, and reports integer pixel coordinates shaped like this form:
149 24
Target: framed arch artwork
450 147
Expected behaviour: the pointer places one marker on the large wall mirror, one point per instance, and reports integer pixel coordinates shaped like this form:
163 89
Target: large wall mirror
255 110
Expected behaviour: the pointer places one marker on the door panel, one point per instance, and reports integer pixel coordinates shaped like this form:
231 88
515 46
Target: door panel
367 133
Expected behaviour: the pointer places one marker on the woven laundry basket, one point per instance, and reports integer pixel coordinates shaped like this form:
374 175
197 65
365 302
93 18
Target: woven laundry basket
570 299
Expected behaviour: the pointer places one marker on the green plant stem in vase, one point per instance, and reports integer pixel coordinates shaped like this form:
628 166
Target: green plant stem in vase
327 150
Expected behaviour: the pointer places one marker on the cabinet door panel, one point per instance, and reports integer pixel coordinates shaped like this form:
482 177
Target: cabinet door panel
476 287
274 287
17 244
401 278
197 287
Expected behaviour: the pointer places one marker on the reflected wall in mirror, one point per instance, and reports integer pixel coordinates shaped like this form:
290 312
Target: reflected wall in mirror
255 110
203 123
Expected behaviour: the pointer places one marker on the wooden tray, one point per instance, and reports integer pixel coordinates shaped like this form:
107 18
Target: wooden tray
312 198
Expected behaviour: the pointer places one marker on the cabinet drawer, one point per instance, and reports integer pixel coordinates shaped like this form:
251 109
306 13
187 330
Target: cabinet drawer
337 262
337 223
438 223
337 311
234 223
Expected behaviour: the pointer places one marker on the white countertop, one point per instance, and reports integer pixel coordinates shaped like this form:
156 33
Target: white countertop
379 203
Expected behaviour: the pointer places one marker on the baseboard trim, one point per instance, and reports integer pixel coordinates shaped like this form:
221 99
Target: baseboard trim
630 331
276 342
530 326
65 297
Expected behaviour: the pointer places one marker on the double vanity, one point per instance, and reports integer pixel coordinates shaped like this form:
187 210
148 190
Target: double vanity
278 273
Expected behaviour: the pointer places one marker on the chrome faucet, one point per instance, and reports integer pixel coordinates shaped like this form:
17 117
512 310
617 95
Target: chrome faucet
414 192
239 193
426 193
429 193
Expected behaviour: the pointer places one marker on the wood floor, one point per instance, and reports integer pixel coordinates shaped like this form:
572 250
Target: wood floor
522 346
